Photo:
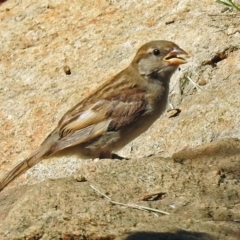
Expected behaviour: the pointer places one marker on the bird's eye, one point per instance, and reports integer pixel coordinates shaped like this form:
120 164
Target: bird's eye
156 52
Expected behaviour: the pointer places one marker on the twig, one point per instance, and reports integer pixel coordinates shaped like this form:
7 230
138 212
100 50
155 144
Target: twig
108 198
195 84
222 15
129 205
171 106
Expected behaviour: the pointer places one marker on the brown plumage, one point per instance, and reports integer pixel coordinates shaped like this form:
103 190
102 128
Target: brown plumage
117 112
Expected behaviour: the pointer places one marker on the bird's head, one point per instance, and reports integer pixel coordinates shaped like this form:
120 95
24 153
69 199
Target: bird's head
159 58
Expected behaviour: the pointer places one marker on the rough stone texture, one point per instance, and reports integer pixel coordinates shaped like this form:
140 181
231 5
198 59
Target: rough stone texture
203 202
96 39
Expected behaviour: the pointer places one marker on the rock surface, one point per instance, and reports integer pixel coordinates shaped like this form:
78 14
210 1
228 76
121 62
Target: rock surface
95 40
199 188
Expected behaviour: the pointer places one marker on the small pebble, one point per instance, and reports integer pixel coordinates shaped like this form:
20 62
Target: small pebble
67 70
202 82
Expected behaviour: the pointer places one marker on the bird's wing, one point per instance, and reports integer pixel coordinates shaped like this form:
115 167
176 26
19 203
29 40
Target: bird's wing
105 115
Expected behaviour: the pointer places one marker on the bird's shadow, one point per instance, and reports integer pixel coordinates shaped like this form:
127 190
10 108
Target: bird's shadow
179 235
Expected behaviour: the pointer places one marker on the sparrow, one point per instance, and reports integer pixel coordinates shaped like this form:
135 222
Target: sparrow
117 112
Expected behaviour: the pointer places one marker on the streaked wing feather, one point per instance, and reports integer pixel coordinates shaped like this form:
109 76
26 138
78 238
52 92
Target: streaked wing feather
91 116
126 113
80 136
104 115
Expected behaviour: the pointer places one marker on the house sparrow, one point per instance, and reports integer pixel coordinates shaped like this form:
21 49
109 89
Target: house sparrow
117 112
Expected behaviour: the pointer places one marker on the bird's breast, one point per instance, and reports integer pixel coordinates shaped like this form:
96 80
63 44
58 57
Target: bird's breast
157 97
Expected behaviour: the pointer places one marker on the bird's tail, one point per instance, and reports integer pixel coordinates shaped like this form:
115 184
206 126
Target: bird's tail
30 161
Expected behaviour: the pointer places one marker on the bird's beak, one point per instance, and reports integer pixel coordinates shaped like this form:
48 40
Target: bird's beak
173 57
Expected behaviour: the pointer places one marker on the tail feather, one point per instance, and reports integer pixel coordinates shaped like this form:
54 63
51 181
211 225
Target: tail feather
26 164
20 169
